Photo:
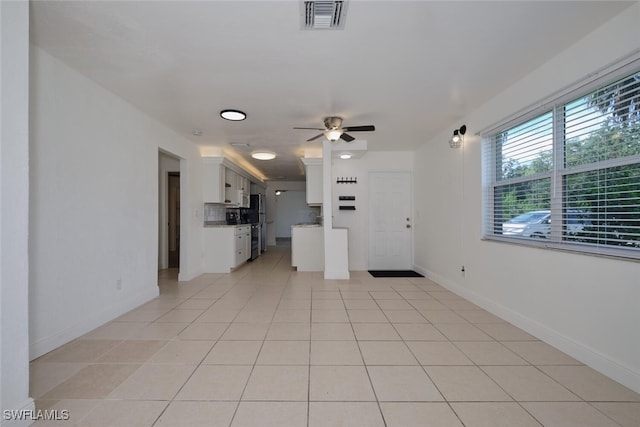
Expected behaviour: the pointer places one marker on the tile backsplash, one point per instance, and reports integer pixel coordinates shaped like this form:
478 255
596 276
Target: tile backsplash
214 212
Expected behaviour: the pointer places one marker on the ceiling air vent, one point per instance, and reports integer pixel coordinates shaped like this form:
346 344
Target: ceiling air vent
323 15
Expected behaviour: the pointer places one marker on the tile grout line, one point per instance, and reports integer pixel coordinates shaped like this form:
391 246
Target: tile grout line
172 400
365 364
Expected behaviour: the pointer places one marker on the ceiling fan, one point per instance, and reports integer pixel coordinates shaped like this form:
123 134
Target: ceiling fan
333 130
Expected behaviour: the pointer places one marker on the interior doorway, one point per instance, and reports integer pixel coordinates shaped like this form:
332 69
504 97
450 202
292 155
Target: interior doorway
291 208
173 219
169 195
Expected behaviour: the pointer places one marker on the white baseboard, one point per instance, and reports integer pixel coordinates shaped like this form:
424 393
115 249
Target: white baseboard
187 276
82 326
8 420
336 275
613 369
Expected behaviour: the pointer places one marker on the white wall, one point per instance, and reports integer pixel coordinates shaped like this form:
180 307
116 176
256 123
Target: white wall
358 221
292 208
586 306
271 206
14 208
94 204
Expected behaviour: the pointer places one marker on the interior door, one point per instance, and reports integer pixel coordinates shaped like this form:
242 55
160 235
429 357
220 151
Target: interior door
173 216
390 222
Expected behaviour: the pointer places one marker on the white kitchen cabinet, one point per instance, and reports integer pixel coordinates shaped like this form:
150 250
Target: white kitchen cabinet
313 172
213 172
236 189
222 184
225 248
231 186
240 255
307 248
242 244
244 190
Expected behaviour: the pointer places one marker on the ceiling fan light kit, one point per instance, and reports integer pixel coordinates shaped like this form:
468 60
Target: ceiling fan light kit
333 134
333 130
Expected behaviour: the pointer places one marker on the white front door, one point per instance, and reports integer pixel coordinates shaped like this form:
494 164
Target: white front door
390 221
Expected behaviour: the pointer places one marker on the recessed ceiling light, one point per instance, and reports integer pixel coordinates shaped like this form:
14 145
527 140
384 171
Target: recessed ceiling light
345 156
233 115
263 155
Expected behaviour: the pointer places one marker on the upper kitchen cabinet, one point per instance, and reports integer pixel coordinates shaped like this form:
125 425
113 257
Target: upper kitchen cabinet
213 186
313 172
236 189
244 190
230 185
225 182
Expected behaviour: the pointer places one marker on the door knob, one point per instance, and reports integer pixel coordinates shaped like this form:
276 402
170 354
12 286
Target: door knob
408 225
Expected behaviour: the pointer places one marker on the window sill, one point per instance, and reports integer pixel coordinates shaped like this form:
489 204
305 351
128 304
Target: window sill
620 254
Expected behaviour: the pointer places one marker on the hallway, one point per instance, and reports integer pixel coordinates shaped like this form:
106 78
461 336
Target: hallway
268 346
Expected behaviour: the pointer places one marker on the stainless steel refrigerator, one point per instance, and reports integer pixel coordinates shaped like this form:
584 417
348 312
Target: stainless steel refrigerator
257 215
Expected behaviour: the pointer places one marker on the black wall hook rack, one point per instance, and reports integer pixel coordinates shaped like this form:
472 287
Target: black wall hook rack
349 180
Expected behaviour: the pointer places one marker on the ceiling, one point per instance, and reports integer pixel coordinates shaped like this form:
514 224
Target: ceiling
412 69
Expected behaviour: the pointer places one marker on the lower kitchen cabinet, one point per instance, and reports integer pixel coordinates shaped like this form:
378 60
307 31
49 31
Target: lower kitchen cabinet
242 244
225 248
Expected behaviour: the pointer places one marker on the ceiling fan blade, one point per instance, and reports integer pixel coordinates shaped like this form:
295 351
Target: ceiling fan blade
315 137
367 128
311 128
347 137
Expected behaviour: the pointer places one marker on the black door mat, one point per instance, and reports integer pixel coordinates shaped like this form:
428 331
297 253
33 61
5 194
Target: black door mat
394 273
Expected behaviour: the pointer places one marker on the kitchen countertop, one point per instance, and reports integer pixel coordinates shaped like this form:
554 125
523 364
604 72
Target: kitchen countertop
222 224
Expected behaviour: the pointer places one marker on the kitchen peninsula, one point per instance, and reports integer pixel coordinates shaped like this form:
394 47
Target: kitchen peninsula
307 247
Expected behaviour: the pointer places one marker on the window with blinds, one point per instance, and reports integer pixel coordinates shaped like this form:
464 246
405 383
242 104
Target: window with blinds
569 176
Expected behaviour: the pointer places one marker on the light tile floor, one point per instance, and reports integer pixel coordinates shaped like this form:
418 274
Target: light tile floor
267 346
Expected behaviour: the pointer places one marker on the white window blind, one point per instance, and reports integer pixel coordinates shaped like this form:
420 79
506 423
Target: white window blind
569 177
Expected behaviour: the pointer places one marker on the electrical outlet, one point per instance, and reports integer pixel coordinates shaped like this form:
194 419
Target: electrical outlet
119 284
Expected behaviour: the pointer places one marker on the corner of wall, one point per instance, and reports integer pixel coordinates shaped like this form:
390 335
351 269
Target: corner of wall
51 342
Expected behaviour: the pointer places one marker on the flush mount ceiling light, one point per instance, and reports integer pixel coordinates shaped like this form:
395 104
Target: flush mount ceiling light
263 155
345 156
458 136
233 115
